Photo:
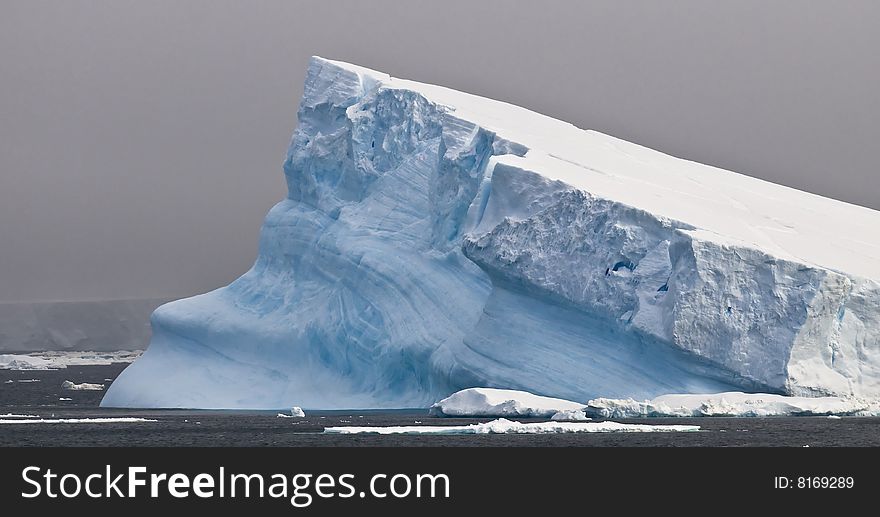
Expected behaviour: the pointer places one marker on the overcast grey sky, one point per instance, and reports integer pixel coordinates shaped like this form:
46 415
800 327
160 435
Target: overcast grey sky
141 142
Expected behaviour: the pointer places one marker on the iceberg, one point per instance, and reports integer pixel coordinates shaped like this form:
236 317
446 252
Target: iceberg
735 404
295 412
433 241
488 402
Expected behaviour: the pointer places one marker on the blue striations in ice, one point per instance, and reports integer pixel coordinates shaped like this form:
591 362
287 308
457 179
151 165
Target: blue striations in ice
432 240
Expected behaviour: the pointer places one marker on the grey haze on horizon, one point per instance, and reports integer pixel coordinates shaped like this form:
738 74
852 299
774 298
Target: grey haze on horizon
141 142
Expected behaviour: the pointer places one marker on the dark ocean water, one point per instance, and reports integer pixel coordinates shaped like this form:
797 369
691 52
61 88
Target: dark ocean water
264 428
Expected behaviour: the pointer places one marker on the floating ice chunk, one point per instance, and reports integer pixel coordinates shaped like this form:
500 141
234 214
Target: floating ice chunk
23 362
28 380
492 402
731 404
64 399
85 386
833 417
504 426
121 420
570 415
295 412
13 415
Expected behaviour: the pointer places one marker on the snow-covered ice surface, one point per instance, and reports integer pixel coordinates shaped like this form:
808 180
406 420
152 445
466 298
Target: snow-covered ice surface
57 360
433 240
731 404
504 426
85 386
489 402
121 420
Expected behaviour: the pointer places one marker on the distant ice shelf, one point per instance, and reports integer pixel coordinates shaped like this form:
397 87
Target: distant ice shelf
58 360
433 241
102 325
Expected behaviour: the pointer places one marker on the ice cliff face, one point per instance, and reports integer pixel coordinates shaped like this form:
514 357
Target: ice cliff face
432 241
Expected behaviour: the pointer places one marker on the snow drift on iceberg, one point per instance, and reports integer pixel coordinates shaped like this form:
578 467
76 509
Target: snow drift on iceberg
432 240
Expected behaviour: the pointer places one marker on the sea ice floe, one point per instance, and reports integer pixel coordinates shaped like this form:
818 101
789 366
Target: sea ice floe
504 426
85 386
731 404
121 420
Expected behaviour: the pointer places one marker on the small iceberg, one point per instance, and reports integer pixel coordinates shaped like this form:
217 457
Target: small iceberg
85 386
295 412
570 415
491 402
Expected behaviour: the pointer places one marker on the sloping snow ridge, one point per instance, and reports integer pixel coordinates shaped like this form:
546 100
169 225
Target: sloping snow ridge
731 404
488 402
432 240
504 426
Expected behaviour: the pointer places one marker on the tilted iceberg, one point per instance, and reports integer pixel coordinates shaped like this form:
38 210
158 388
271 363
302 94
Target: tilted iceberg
433 240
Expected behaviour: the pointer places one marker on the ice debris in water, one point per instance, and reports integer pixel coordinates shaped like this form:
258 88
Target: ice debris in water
731 404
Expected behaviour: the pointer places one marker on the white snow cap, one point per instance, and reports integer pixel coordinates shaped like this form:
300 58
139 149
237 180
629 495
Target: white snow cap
723 206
